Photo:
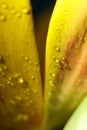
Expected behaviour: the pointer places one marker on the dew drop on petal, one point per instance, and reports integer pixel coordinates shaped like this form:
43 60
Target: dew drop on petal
25 11
18 15
21 80
20 117
2 17
18 77
13 11
4 6
32 77
18 98
34 90
57 61
50 81
12 102
9 78
26 58
53 57
53 75
2 85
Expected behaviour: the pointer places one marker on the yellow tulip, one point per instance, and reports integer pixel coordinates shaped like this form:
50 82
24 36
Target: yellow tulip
42 62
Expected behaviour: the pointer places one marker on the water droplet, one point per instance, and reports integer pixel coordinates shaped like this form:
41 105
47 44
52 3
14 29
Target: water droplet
57 49
26 58
12 102
3 73
76 46
27 90
21 117
61 98
21 80
34 90
4 6
9 78
36 64
16 75
2 85
64 64
57 61
26 11
12 84
18 15
5 67
32 77
58 39
10 5
49 94
53 75
50 81
18 98
8 82
2 17
53 57
13 11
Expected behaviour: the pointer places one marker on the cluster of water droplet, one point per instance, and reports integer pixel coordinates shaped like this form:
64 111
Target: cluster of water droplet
15 93
14 90
8 8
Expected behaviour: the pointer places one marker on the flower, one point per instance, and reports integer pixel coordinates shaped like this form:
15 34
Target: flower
42 62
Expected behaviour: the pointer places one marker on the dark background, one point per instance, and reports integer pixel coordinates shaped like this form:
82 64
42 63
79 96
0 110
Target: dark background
40 5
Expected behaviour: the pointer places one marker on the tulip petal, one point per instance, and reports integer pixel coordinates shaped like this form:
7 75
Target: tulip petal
20 79
66 63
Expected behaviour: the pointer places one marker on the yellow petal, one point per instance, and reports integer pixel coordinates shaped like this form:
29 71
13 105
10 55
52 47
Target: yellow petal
64 62
20 79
